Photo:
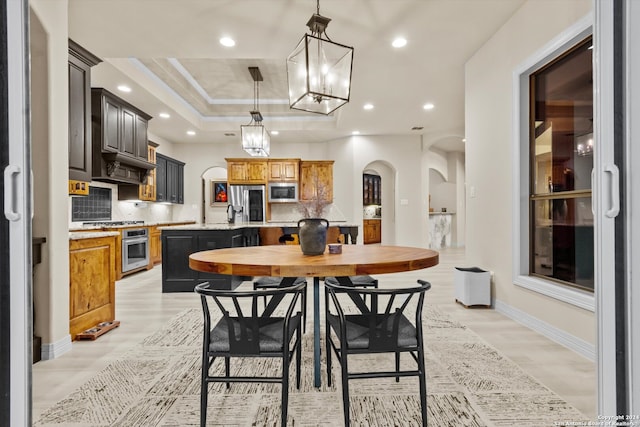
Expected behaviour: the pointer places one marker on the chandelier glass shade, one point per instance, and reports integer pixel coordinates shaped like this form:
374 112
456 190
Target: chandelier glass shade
319 71
256 139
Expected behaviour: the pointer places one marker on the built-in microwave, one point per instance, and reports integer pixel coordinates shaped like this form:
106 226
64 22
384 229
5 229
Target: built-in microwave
283 192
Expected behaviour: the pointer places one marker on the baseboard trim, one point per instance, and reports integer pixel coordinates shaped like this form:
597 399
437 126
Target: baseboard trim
558 335
53 350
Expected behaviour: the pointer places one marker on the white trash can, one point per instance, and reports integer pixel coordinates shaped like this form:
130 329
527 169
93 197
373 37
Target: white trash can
472 286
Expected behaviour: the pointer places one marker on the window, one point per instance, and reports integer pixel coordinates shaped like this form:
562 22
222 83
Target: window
561 159
545 266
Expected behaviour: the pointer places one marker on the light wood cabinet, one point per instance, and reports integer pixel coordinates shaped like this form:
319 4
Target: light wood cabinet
283 170
246 171
314 175
372 231
155 245
92 278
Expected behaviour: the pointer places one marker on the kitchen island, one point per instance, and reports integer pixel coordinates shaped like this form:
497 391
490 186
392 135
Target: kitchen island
178 242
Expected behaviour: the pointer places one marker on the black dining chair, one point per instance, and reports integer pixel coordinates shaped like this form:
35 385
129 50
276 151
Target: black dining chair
243 331
266 282
364 281
384 328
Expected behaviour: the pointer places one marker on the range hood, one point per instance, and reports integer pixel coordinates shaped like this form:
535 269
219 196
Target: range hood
120 168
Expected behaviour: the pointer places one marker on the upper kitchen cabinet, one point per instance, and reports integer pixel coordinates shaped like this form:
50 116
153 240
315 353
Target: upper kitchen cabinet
371 189
316 180
169 180
119 140
246 171
80 62
283 170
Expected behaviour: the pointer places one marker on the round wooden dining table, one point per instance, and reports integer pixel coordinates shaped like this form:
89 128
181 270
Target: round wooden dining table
289 261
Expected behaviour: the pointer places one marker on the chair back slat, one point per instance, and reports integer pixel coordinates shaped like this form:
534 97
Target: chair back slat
243 330
389 327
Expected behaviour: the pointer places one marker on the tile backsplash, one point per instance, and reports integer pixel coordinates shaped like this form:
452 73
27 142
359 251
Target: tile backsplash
125 210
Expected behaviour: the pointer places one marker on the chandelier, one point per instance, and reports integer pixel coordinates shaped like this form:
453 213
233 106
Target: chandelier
255 138
319 70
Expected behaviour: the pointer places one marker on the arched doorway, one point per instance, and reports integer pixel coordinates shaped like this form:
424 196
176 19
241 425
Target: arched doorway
383 210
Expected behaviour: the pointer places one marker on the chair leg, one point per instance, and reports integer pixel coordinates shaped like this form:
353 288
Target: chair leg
304 309
285 387
227 369
345 386
298 351
204 390
327 341
423 386
397 365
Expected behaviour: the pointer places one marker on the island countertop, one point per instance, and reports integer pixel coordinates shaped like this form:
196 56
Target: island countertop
236 226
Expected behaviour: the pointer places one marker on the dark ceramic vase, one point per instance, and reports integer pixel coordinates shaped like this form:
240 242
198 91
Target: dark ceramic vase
312 233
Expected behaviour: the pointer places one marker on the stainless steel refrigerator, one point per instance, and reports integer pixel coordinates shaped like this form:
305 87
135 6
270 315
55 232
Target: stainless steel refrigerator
249 202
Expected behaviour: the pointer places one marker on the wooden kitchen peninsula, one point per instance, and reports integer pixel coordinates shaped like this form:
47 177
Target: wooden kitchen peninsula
178 242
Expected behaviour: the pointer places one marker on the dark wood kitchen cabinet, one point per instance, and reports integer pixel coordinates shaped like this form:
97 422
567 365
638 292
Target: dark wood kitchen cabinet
371 189
119 140
79 68
169 180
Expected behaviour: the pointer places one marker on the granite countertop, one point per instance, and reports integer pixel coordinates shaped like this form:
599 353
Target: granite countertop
235 226
146 224
92 234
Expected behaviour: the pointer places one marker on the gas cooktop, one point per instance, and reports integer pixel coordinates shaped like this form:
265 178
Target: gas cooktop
112 223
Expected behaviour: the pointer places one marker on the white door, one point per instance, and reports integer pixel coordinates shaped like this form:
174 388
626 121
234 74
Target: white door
617 189
632 196
15 236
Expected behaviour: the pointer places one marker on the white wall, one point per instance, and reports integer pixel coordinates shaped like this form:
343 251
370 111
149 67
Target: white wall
214 213
351 155
51 292
488 120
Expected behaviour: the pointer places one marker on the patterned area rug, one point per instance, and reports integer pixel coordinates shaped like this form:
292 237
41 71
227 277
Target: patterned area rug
156 383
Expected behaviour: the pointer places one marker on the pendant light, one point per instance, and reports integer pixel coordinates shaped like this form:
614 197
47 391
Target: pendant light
319 70
255 138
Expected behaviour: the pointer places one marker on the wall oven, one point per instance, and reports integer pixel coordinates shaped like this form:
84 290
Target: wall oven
283 192
135 249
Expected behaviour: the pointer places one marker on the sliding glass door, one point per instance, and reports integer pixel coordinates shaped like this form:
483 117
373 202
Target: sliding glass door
15 222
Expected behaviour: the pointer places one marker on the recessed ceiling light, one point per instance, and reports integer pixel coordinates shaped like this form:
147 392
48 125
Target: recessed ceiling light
464 139
428 106
275 132
191 132
124 88
164 115
368 106
355 132
399 42
227 41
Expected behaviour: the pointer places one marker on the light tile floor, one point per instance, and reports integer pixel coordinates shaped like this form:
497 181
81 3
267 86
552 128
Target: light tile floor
142 308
